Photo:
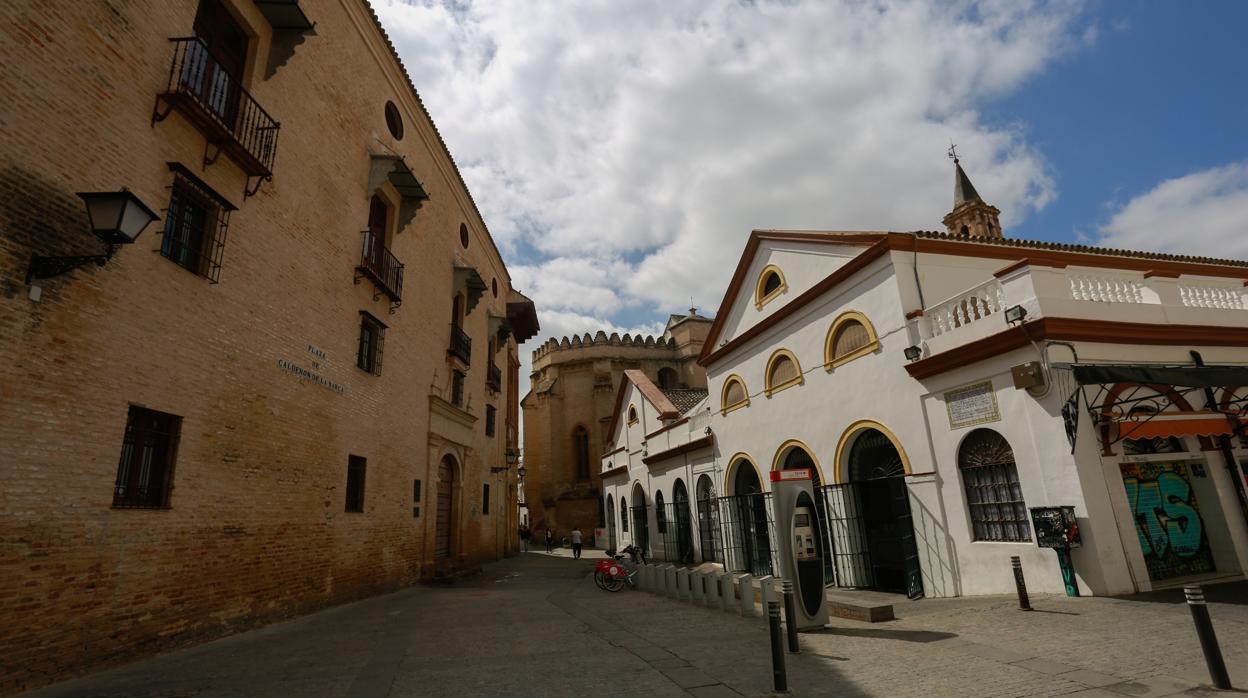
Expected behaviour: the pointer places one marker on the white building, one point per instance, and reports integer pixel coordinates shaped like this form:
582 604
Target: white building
885 362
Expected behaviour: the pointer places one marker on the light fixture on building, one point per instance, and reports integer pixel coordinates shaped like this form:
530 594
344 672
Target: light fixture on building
513 456
520 472
1015 314
708 431
913 353
117 218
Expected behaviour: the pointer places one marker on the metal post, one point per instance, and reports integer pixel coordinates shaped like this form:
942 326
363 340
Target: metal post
1024 603
778 677
1208 640
790 614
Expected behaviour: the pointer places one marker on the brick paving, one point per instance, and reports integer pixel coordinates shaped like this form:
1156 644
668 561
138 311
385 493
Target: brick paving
537 625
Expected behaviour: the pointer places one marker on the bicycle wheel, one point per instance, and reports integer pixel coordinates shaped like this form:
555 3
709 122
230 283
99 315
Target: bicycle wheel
613 583
600 579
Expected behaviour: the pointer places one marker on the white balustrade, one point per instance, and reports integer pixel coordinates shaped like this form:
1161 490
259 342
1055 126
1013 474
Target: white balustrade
965 308
1204 296
1106 288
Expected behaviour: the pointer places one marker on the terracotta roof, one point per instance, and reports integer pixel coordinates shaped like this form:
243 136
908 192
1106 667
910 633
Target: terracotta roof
1085 249
649 391
685 399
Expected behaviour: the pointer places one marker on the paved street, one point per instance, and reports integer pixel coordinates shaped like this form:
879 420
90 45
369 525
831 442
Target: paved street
536 625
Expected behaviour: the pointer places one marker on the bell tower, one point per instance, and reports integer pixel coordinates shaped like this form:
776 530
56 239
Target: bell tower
971 216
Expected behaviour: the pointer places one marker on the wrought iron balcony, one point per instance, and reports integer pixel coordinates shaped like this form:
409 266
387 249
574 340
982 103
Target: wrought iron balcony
461 344
380 267
494 377
214 100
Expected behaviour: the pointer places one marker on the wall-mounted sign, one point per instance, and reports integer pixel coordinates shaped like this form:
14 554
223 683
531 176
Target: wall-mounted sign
972 404
318 355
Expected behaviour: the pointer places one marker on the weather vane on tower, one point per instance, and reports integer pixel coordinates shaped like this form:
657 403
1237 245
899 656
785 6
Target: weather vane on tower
953 151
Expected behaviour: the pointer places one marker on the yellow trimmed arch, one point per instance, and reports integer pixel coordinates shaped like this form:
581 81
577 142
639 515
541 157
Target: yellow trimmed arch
873 341
761 298
841 469
724 407
778 461
731 471
770 389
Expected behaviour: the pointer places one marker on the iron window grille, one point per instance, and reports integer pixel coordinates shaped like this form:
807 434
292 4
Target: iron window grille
372 343
660 513
457 388
678 533
195 225
623 515
145 468
490 419
355 483
485 499
747 527
993 494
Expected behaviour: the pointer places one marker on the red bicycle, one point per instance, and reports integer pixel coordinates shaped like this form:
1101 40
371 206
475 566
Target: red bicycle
614 572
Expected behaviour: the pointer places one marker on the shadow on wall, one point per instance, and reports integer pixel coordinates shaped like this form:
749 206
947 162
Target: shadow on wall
936 556
1232 592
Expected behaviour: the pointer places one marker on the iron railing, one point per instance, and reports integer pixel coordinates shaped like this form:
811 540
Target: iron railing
220 106
461 344
746 522
380 265
494 377
677 533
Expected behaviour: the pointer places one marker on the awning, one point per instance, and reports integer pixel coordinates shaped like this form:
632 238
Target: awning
290 28
522 316
500 328
393 169
468 278
1187 376
1177 424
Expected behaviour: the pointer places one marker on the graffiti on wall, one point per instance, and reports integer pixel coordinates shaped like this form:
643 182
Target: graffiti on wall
1167 519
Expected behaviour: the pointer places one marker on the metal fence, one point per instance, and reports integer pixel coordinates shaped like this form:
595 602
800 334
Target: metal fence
641 529
746 524
708 531
676 530
849 558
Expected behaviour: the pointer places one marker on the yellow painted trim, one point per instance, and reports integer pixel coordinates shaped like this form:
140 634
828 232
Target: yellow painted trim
759 299
830 362
723 395
852 430
797 443
729 471
770 389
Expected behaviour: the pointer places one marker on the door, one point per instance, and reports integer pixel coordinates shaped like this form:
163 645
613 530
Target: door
708 521
445 518
217 71
684 524
877 472
378 212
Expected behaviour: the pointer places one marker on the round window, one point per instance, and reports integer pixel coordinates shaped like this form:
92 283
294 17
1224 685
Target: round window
394 121
463 235
494 287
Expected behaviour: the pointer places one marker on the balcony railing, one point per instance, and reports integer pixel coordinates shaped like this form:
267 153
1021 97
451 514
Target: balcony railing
494 377
380 266
461 344
214 99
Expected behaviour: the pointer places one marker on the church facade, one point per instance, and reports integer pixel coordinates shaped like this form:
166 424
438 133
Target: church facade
960 398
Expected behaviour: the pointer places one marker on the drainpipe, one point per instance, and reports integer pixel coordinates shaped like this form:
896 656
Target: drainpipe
1224 443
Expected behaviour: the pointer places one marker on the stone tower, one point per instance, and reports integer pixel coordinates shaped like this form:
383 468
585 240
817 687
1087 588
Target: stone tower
568 411
971 216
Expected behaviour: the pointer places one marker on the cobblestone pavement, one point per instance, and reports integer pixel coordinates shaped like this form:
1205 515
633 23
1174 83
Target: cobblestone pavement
535 625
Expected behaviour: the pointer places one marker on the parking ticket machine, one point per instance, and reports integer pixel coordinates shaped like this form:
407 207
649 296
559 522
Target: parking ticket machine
801 547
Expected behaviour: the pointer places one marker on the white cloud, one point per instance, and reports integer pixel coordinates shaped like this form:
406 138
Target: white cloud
633 145
1204 213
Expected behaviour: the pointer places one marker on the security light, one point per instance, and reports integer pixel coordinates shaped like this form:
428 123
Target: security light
1015 314
913 353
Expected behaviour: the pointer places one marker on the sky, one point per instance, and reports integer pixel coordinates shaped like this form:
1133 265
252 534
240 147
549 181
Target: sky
621 152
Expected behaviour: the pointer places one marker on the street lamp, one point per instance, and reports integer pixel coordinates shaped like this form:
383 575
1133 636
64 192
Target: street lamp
913 353
117 218
520 472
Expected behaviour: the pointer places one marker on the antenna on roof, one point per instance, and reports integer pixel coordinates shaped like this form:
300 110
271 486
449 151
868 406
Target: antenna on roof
953 151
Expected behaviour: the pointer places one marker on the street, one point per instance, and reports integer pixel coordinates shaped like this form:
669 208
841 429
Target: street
535 624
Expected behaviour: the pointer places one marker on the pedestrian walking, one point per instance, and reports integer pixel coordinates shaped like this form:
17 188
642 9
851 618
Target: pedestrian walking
550 540
576 543
525 535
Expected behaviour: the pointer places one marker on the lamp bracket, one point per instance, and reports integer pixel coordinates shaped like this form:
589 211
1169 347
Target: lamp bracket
496 470
42 267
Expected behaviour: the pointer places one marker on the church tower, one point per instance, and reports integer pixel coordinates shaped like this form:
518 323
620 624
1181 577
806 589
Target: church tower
971 216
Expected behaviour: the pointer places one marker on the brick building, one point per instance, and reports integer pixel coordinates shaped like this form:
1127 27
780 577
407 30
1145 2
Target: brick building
568 410
200 434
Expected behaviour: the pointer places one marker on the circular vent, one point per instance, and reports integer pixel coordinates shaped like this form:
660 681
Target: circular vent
394 121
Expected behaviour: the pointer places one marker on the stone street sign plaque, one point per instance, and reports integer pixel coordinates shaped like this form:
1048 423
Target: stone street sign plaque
972 404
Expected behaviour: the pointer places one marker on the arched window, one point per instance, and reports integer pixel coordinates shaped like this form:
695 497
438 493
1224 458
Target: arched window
771 283
632 414
580 452
850 337
966 230
660 514
783 371
668 378
623 514
734 395
993 494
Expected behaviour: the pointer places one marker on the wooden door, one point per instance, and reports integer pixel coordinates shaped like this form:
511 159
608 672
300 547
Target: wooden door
445 511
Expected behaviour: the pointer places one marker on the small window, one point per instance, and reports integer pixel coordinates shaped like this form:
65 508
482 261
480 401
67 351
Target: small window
463 235
485 499
372 338
632 415
993 494
494 287
734 395
771 284
783 371
660 514
850 336
355 483
145 469
623 515
416 491
195 226
394 121
457 388
489 420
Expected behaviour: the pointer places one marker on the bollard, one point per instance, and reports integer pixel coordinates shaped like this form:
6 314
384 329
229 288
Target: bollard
697 581
778 677
1024 603
724 584
1208 640
710 589
766 593
790 614
745 585
643 578
673 591
682 584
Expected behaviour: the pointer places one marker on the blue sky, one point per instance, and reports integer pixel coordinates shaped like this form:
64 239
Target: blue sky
621 152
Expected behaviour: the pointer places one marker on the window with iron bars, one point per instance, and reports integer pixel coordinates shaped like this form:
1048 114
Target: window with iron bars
457 388
489 420
372 340
355 483
993 493
145 469
195 225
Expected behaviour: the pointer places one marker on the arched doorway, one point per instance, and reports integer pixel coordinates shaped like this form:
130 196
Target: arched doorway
641 528
747 513
708 518
683 522
444 517
611 538
796 458
877 471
